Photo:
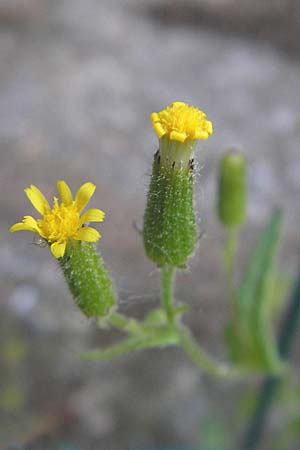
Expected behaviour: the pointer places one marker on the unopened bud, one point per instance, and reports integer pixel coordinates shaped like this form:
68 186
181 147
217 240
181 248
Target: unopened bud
232 201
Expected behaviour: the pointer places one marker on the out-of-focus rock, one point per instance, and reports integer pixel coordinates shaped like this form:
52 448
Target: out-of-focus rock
276 21
20 10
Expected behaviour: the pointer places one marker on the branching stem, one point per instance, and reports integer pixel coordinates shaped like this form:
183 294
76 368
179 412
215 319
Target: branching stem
202 359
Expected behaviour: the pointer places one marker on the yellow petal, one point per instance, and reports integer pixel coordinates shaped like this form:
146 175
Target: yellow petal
87 234
178 104
28 224
154 117
19 226
201 134
92 215
209 127
37 199
58 249
84 194
177 136
159 129
64 192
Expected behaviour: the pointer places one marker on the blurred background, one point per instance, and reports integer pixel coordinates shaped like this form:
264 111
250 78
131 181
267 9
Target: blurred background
78 80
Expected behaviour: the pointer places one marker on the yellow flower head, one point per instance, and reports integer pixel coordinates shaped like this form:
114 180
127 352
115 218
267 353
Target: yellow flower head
180 122
63 221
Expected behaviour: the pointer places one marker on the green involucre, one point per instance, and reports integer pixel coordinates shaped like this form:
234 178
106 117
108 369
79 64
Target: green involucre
170 231
88 279
232 201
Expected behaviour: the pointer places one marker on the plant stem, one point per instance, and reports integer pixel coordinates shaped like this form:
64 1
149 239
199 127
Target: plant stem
288 329
121 322
118 320
167 277
229 260
202 359
162 337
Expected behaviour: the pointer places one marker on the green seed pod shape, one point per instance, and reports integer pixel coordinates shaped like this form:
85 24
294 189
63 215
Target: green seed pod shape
170 231
232 202
88 279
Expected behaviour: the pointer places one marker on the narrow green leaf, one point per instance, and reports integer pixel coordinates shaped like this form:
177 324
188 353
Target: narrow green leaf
256 280
251 327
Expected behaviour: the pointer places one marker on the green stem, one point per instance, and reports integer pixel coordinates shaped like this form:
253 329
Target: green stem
167 277
230 251
162 337
201 359
118 321
121 322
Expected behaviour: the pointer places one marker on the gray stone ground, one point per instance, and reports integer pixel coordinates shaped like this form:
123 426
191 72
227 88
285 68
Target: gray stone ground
78 80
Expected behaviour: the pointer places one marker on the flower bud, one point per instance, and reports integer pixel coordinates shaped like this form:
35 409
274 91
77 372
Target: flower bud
232 201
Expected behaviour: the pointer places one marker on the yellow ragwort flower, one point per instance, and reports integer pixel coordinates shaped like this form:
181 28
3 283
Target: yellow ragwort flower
181 122
62 222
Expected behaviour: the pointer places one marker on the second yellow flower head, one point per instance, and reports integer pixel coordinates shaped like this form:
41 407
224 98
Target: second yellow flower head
181 122
63 221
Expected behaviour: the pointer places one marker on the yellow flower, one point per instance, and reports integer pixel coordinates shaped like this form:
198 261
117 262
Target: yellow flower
62 222
181 122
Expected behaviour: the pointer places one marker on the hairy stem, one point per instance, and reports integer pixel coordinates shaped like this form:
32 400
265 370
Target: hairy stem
167 279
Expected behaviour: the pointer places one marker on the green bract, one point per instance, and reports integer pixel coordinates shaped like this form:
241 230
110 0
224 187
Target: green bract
88 279
170 232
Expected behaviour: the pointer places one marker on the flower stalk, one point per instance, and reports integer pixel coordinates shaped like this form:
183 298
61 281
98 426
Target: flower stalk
167 281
